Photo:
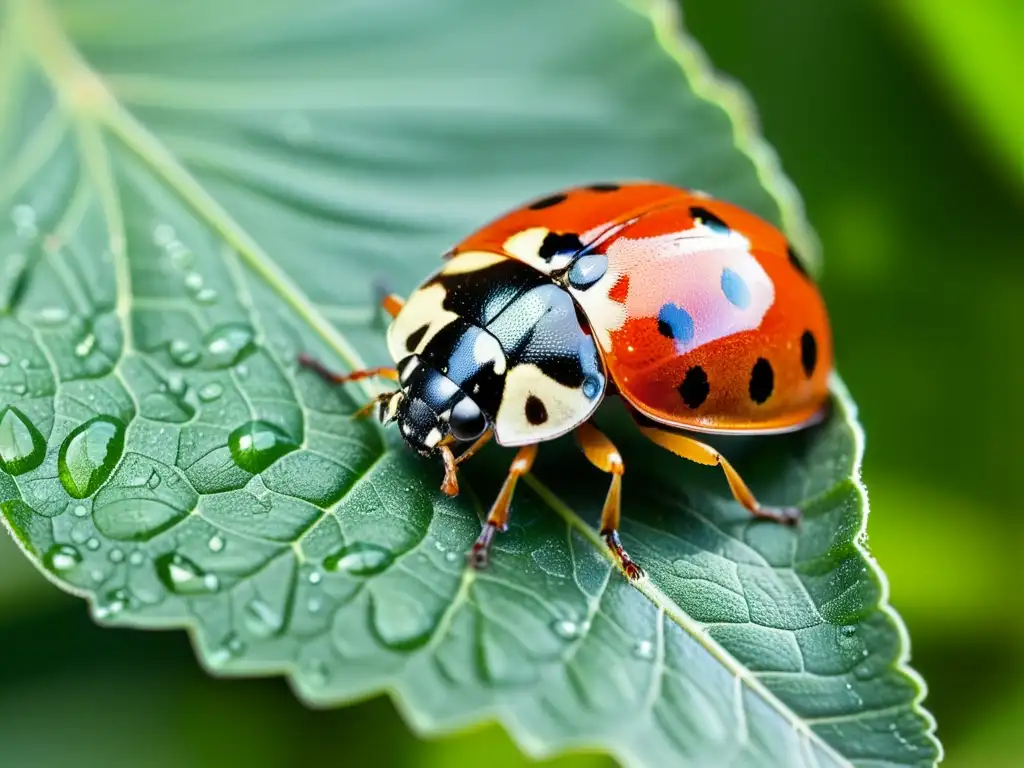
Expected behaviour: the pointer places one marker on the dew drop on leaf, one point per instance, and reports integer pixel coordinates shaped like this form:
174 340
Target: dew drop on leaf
24 219
62 558
645 649
317 674
85 345
231 648
182 353
116 556
22 446
262 620
257 444
163 235
568 630
112 603
183 577
80 510
89 454
228 344
93 544
4 360
359 559
52 316
211 392
315 577
216 544
863 672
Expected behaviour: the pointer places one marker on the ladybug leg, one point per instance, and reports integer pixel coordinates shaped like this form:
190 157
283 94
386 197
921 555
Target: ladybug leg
603 454
392 304
450 485
481 441
497 518
697 451
342 378
383 297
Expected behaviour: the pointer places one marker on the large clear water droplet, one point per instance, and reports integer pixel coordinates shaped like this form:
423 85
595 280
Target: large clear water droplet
257 444
89 454
228 344
22 446
183 577
359 559
62 558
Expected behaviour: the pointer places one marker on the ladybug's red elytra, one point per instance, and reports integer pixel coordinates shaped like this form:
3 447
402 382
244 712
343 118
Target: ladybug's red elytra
695 312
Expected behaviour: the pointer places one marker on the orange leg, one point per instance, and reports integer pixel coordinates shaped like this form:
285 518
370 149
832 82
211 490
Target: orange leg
697 451
603 454
481 441
392 304
497 519
342 378
450 485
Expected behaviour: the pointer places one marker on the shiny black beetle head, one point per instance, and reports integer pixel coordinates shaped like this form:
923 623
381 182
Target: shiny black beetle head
431 410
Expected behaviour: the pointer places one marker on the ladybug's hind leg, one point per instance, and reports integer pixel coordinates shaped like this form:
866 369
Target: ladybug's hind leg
694 450
497 518
603 454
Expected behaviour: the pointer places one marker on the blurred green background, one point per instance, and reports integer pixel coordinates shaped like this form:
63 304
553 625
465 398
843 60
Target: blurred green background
906 139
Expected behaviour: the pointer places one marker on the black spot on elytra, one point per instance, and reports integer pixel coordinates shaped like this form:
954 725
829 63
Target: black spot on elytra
547 202
695 389
762 381
709 220
605 187
559 243
416 337
808 352
795 261
536 413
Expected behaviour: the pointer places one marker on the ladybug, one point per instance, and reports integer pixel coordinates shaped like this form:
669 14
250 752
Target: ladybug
697 313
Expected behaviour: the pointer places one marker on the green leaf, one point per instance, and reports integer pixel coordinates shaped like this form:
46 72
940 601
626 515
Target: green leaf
197 195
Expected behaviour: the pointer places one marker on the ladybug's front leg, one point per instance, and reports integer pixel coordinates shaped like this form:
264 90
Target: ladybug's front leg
603 454
497 519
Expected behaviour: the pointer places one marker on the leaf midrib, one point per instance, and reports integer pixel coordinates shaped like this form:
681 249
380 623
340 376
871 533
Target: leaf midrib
91 105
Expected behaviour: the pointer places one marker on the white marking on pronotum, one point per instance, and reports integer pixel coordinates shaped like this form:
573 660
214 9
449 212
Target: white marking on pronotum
471 261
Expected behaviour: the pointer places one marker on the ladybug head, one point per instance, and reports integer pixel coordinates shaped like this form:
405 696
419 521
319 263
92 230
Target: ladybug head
431 410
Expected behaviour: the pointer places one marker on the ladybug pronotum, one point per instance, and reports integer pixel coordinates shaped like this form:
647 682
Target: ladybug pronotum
695 312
